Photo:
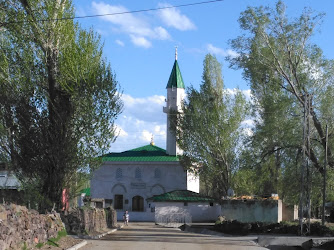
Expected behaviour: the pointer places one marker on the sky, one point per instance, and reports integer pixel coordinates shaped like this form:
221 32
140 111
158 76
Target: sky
140 48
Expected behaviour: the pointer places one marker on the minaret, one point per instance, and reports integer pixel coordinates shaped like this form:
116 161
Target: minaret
175 96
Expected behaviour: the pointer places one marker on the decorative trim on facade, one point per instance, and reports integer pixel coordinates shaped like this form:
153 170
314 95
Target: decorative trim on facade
118 185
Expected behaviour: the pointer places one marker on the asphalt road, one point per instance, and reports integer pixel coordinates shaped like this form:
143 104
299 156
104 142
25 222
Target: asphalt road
147 236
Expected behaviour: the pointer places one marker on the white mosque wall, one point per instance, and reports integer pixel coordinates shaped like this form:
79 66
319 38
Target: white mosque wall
137 216
192 182
155 178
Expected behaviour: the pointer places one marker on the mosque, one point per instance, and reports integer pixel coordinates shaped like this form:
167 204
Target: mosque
128 180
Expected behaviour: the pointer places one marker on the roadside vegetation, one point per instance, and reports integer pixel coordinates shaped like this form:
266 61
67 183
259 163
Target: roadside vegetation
59 99
286 228
291 105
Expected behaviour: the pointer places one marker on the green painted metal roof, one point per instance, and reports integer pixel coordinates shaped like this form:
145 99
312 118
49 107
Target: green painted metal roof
145 153
85 191
181 196
175 78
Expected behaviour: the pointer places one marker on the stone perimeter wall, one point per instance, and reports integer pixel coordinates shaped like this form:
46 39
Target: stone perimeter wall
18 225
82 221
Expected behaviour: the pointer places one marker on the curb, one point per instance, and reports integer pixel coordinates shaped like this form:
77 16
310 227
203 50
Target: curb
83 243
77 246
96 237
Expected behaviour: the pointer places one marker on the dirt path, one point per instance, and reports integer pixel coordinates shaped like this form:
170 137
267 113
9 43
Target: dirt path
147 236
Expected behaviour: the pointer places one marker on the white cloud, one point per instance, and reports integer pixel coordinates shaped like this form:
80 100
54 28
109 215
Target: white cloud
121 132
248 123
221 52
146 135
120 43
158 130
173 18
161 33
131 101
215 50
248 131
139 30
247 93
141 118
232 53
232 91
140 41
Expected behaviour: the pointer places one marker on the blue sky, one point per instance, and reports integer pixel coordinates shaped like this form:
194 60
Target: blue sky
140 48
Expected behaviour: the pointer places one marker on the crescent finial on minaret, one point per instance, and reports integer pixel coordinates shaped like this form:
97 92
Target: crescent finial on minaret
175 53
152 140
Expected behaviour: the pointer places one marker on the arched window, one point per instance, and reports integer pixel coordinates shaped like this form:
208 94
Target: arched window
157 173
138 173
119 174
138 203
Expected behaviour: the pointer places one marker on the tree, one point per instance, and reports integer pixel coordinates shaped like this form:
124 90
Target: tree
277 52
274 146
282 65
208 131
58 96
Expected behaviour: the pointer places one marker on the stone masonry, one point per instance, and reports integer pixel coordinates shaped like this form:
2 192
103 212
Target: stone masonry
87 220
19 226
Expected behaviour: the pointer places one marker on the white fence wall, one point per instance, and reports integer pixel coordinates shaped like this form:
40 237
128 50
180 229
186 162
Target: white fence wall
199 212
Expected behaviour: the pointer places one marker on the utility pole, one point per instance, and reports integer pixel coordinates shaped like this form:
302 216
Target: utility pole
324 187
305 179
301 197
308 169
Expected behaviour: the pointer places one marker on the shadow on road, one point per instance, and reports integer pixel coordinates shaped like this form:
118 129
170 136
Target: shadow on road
154 233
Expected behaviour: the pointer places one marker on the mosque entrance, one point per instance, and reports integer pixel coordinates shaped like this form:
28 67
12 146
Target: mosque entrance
138 203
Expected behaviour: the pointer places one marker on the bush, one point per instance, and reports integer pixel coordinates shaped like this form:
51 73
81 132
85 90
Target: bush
320 230
233 227
292 228
331 215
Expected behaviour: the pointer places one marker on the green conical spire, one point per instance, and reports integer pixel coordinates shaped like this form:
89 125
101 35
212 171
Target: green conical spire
175 78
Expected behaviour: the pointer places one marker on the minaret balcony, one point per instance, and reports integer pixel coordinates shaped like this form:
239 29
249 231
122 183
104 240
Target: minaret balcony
169 109
165 109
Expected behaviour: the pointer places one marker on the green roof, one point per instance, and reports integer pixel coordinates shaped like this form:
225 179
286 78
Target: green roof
85 191
175 79
181 196
145 153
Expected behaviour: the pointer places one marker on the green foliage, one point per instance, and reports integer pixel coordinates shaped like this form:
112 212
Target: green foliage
58 96
208 131
283 67
40 245
291 228
24 246
53 241
79 181
245 182
62 233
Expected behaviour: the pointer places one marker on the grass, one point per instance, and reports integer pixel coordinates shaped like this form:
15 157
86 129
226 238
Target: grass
39 245
53 241
24 246
289 223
